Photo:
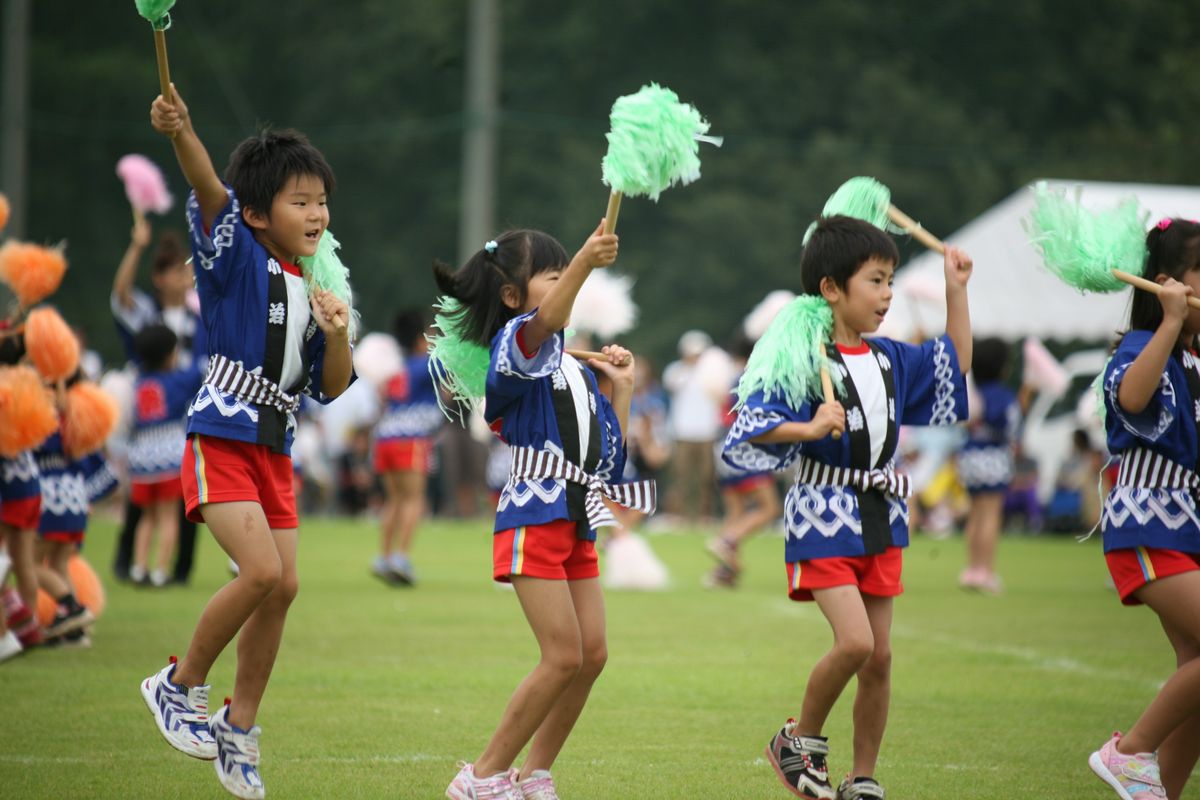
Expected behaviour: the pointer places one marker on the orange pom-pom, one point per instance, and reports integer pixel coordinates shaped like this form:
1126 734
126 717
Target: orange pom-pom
27 413
33 272
89 591
3 211
51 344
89 420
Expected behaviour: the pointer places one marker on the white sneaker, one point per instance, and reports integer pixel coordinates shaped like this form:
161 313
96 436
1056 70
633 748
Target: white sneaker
159 578
181 714
466 786
237 757
5 565
10 645
538 786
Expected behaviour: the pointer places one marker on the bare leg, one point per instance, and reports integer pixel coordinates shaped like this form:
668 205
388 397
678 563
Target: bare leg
389 517
242 532
411 507
553 733
550 610
21 546
763 509
1178 754
48 577
853 643
874 689
166 514
142 535
1175 600
258 643
988 511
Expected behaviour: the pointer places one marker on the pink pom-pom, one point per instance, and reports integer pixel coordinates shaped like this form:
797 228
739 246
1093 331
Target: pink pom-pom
144 184
1042 370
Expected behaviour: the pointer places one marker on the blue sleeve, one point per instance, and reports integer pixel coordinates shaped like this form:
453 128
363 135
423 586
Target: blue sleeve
98 477
217 253
1156 418
756 417
511 373
935 389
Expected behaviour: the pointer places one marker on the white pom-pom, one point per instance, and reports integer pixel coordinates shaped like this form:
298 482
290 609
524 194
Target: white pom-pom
629 563
604 306
763 314
1042 370
377 358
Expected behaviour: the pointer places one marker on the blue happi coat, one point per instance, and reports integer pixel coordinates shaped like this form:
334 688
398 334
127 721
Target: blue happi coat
549 401
249 302
985 463
69 486
1153 503
924 386
412 410
161 400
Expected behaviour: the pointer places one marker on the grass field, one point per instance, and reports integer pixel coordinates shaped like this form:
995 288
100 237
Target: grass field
378 691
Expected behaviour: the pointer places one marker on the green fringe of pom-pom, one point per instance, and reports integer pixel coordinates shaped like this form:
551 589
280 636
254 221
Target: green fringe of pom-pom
1082 247
156 12
458 366
654 143
325 270
786 361
862 198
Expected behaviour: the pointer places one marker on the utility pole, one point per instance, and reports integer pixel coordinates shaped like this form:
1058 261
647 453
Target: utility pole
480 117
14 112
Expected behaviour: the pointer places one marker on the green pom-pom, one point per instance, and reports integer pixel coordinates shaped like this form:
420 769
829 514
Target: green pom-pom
156 11
325 270
654 143
786 361
457 365
862 198
1082 247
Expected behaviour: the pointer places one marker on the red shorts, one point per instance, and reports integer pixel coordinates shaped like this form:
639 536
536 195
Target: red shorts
146 494
749 485
403 455
70 537
1134 567
551 551
877 575
22 514
225 471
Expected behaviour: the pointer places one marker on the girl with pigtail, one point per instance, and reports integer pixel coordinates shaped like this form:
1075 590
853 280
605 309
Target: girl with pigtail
501 340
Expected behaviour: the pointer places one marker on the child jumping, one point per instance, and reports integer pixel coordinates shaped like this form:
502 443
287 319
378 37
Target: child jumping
247 233
1150 518
846 515
567 446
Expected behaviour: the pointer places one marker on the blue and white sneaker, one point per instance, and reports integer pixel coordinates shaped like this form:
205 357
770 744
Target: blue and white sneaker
181 714
237 757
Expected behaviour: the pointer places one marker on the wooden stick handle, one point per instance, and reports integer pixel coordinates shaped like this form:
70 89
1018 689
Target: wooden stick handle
164 72
1149 286
827 386
614 208
914 229
585 355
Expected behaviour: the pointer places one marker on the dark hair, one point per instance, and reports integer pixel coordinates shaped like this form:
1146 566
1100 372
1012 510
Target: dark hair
409 326
12 346
154 345
989 359
1172 252
170 253
837 248
518 256
261 165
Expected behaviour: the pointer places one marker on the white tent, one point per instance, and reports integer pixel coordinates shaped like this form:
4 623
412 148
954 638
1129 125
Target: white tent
1011 294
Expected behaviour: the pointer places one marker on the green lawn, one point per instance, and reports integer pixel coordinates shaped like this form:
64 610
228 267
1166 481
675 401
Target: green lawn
378 691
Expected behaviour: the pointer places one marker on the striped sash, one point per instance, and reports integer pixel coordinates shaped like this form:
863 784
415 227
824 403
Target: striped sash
886 479
528 463
1145 469
231 377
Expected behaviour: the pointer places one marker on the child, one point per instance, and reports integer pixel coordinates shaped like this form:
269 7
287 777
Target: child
1151 529
403 450
846 516
162 395
567 445
985 463
750 498
265 349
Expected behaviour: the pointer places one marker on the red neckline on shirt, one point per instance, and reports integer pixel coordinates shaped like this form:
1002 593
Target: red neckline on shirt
290 269
847 350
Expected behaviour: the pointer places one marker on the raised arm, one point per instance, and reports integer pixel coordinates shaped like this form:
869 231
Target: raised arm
1142 378
139 238
958 313
172 120
554 313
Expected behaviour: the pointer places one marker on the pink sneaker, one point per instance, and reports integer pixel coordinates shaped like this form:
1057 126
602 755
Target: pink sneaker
466 786
538 786
1133 777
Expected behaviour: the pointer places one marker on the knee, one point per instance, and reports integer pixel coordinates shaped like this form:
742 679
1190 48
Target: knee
261 577
564 663
878 666
854 651
285 590
593 660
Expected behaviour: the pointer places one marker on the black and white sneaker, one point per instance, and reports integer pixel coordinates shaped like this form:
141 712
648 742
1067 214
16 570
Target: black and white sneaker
799 761
859 789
